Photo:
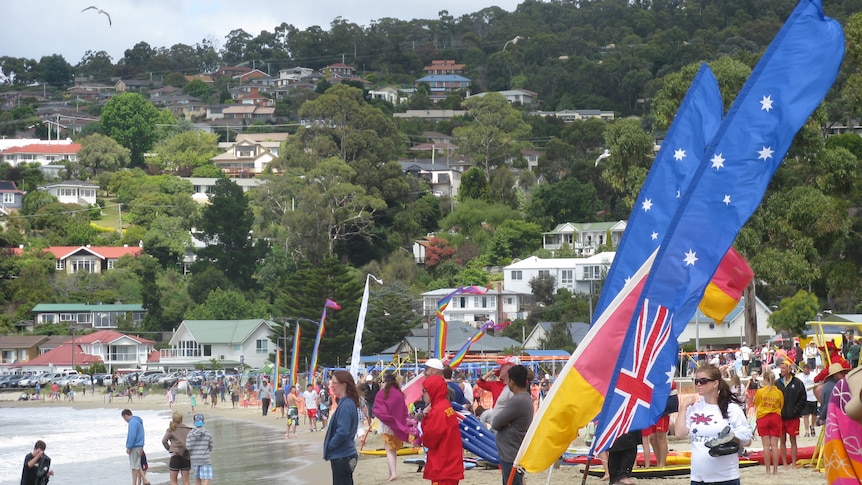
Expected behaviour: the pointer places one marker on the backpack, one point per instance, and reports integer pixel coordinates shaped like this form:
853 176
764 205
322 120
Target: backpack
325 399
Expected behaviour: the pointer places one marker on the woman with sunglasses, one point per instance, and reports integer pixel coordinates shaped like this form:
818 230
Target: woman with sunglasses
714 419
339 447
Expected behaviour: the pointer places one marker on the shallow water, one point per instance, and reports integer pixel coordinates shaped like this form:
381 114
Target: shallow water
87 446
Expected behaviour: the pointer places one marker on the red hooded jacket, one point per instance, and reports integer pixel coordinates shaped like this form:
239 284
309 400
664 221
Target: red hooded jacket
440 434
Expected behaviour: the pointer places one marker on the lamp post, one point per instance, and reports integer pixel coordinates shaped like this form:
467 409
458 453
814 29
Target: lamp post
513 41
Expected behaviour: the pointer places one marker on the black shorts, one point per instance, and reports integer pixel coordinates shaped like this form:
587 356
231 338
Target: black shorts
179 463
810 408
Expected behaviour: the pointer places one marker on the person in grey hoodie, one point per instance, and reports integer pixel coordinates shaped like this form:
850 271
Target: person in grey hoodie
199 442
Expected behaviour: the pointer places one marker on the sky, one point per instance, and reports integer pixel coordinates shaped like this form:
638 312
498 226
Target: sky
35 29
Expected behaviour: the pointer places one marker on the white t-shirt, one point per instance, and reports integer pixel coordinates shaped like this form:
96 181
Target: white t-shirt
705 422
468 391
310 399
808 380
745 353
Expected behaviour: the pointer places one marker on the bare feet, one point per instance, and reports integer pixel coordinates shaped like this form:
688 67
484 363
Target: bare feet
392 478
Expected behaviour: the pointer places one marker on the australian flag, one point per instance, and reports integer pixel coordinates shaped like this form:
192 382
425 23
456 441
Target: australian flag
785 87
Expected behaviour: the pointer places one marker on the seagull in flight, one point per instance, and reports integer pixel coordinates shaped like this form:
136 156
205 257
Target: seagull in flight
99 10
605 154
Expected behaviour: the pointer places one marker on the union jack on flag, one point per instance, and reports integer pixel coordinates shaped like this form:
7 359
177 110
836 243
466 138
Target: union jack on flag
633 385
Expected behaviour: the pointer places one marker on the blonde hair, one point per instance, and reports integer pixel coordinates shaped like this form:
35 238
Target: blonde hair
176 420
769 378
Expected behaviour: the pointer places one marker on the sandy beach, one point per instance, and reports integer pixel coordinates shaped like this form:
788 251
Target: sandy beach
372 469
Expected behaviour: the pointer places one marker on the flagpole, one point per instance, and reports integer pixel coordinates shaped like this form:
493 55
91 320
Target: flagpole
360 327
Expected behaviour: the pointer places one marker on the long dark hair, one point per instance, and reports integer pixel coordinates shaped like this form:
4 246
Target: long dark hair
725 396
350 390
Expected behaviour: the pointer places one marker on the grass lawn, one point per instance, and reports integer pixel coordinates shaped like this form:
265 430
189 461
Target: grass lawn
110 215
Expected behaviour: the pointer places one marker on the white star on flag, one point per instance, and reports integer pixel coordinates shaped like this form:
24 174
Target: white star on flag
726 199
646 205
678 154
690 258
766 103
765 153
653 236
717 161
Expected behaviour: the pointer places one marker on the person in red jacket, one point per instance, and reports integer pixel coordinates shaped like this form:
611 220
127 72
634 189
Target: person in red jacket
440 435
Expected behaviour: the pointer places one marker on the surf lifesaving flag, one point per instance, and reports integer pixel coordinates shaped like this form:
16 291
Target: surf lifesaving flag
578 393
725 290
320 329
788 83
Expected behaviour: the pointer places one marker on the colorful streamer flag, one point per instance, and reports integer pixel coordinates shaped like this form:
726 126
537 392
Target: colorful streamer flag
442 326
787 84
578 393
360 327
320 329
294 358
723 293
459 356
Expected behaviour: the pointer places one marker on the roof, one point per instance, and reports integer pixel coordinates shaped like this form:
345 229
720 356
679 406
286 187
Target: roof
588 226
442 77
223 331
535 262
103 252
21 341
86 307
547 353
63 355
445 291
71 183
108 336
577 329
457 335
9 186
44 148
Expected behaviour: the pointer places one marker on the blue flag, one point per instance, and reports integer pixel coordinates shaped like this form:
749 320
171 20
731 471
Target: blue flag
787 85
696 122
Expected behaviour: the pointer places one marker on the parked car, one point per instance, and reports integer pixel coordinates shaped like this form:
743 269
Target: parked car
81 380
102 379
29 380
4 380
13 381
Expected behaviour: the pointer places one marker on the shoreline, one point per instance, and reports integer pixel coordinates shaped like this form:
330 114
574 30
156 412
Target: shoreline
313 469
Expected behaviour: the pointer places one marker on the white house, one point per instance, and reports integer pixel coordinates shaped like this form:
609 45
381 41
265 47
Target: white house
250 153
203 186
442 179
495 305
578 275
73 192
116 350
230 342
584 237
41 153
520 96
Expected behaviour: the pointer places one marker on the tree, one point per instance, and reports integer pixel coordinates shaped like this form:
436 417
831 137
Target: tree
101 153
131 120
186 151
631 150
55 71
793 312
225 226
564 201
495 134
542 287
198 89
392 312
227 305
513 239
559 337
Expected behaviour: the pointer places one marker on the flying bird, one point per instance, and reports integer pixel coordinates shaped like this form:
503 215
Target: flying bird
605 154
99 10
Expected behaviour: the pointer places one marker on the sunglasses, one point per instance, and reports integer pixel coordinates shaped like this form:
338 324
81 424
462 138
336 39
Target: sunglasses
703 381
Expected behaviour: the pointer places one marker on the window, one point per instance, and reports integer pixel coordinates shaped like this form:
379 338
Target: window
67 193
88 193
85 318
509 300
517 275
592 272
83 265
244 152
66 317
8 198
47 318
566 277
261 346
208 350
59 265
544 273
111 263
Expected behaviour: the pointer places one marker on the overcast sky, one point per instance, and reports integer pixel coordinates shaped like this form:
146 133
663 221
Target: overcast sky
35 29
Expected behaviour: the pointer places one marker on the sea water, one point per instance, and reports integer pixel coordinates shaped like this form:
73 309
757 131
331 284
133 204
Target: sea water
88 446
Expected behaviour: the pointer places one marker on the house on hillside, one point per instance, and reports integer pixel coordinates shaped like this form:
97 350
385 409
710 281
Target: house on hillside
523 97
496 305
41 153
445 66
578 275
250 153
87 259
86 316
15 349
10 197
73 192
441 85
230 342
585 238
542 329
441 179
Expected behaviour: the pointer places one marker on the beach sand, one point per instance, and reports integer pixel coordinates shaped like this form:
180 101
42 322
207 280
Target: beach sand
373 470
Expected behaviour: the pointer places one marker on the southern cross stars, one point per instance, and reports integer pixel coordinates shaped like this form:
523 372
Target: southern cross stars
678 154
646 205
653 236
726 199
765 153
766 103
717 161
690 258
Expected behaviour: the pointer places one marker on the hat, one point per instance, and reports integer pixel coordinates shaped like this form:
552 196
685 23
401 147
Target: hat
199 420
837 367
510 360
853 408
369 378
434 364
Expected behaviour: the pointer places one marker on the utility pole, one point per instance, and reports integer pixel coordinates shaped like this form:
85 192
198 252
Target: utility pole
120 213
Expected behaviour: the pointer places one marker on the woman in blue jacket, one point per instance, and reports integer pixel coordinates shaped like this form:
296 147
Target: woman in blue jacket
339 447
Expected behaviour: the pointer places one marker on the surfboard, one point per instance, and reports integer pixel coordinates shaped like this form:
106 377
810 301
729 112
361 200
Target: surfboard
673 458
802 453
420 462
400 452
667 471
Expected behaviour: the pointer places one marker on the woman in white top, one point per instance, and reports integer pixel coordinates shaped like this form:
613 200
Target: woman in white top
705 418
